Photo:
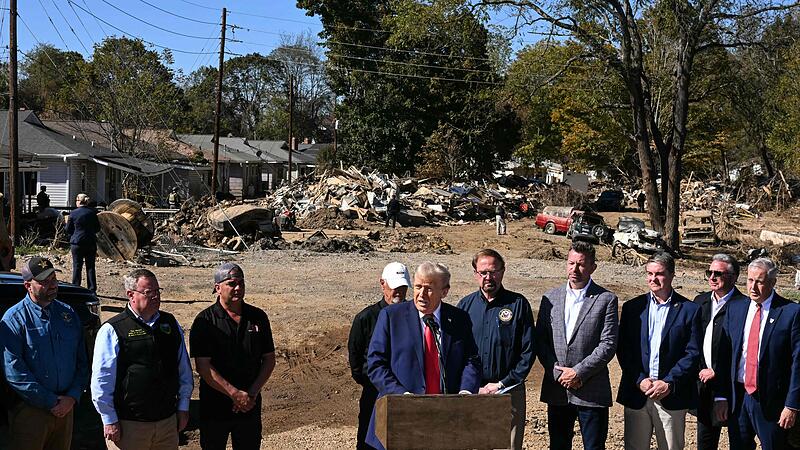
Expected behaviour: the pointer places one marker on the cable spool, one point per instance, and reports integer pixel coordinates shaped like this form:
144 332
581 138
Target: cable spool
124 228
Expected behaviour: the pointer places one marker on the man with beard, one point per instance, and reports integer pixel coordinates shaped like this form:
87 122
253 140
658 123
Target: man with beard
231 343
45 362
576 337
394 283
502 325
722 274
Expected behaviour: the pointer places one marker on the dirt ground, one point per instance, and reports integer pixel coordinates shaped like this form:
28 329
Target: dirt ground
311 298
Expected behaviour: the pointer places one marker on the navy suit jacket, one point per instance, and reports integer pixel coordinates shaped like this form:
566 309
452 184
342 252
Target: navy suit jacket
82 226
679 354
395 358
779 361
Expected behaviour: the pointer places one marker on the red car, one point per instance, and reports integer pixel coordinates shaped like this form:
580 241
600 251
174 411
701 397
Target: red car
555 219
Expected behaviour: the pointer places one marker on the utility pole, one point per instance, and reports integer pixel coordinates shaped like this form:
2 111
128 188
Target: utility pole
13 122
219 106
335 127
291 128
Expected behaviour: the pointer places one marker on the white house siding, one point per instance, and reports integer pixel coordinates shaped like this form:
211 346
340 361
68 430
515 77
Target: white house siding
55 178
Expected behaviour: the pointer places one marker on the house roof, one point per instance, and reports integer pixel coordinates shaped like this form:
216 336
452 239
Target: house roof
229 149
36 140
236 147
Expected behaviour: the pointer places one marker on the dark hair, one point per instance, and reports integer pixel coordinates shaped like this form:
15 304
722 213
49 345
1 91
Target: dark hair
584 248
488 252
665 259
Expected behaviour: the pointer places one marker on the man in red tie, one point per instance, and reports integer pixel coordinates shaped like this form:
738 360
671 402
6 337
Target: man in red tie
425 346
764 380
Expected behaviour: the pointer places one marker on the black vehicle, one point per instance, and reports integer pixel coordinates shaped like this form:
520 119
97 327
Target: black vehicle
87 427
610 201
588 226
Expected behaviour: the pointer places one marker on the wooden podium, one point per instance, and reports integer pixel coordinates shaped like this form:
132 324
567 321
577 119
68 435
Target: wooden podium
443 421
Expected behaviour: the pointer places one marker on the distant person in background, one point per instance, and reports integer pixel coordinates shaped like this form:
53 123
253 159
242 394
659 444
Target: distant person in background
393 210
82 228
640 199
174 198
500 218
42 199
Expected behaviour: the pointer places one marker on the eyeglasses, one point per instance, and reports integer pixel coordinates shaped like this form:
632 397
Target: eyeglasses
488 273
151 294
716 273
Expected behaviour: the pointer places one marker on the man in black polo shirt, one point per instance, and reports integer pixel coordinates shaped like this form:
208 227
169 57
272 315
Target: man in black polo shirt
232 345
502 324
394 285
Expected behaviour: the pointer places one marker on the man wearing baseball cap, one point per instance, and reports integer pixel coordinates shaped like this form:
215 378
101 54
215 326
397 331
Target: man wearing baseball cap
394 284
231 343
44 361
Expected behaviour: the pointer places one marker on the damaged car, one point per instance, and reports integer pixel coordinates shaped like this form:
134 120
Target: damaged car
632 233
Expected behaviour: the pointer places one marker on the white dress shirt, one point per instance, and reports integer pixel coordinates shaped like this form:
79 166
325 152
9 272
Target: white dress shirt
104 371
716 306
751 312
572 307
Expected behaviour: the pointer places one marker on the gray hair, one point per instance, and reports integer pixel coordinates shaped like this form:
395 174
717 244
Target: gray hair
82 199
439 270
766 264
729 260
665 259
132 280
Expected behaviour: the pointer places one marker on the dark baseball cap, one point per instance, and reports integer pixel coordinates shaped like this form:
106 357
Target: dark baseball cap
37 268
227 271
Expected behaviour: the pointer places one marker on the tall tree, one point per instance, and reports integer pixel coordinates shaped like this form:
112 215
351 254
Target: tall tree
52 80
612 31
133 89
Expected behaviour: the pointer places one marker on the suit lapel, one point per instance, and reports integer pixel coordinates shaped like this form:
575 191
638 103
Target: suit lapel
557 323
445 326
644 336
774 313
415 330
588 302
671 315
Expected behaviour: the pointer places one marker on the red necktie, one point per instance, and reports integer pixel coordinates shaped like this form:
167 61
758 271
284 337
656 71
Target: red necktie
751 364
431 364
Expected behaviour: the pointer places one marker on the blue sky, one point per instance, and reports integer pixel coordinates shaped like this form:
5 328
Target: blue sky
74 28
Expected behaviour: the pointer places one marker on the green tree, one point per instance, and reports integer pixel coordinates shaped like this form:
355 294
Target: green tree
132 90
51 81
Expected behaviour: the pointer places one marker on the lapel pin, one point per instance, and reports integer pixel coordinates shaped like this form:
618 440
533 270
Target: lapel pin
771 320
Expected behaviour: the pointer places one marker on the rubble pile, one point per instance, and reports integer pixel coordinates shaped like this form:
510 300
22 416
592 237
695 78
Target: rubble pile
365 196
327 218
414 242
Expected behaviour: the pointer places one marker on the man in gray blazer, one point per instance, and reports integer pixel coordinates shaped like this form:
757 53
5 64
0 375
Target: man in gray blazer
576 337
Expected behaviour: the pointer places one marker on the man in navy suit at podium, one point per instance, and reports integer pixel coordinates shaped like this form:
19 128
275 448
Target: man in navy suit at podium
404 354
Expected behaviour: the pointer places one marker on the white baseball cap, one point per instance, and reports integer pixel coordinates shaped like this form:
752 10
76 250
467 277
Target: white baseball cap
396 275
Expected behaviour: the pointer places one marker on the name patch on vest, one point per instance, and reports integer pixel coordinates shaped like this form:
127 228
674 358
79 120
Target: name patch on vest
165 328
136 332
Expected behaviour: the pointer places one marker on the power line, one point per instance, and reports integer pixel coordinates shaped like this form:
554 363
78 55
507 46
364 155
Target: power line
178 15
151 24
188 52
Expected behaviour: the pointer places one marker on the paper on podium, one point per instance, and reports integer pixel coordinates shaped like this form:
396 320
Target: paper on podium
507 388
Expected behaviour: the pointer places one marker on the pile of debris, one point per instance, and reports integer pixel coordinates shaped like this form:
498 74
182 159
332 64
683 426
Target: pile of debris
365 195
414 242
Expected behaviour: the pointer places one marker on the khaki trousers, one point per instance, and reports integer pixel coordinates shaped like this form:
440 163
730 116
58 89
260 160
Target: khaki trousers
34 428
669 426
161 435
517 416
